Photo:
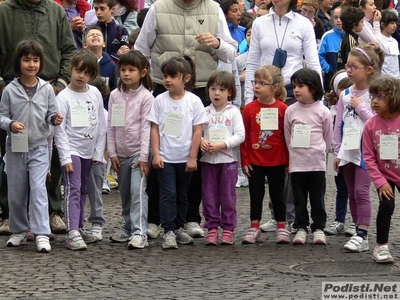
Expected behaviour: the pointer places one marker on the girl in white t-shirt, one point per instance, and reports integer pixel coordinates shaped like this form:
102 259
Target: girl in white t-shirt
177 117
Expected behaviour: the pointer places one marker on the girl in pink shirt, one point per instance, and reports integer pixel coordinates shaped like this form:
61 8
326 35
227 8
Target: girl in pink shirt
381 155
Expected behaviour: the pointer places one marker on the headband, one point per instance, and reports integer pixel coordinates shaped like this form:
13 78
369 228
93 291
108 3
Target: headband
366 55
337 80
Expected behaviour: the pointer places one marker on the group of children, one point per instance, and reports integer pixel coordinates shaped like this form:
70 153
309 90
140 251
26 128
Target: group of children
274 139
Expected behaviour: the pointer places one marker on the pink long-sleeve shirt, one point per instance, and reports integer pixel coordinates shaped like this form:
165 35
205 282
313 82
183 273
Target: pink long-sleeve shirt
319 117
134 137
379 170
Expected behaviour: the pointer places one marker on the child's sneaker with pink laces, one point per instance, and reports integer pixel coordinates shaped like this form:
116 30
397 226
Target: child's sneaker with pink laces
228 238
282 236
252 236
212 237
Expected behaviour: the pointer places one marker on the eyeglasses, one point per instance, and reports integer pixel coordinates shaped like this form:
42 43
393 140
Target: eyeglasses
377 96
308 12
260 83
353 67
336 17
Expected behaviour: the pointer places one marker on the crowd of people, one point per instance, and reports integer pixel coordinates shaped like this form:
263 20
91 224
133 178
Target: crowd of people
187 100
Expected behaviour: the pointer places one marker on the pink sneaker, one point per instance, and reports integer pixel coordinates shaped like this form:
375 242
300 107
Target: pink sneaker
282 236
212 237
228 238
252 236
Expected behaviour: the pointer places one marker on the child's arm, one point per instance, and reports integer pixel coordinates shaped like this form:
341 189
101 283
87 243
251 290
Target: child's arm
337 134
364 111
244 147
98 155
191 164
370 156
155 146
328 128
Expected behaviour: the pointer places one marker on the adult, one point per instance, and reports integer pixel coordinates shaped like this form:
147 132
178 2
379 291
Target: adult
290 35
46 22
125 14
206 39
309 9
324 13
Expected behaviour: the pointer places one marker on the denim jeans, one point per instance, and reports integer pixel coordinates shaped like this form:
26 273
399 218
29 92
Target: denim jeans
174 185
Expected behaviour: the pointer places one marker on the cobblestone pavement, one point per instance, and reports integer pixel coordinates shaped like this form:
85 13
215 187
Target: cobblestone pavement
262 271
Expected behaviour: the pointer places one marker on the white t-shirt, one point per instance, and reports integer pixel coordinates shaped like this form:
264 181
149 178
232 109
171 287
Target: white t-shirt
391 63
176 139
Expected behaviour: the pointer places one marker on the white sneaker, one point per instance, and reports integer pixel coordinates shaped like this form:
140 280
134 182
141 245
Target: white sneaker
112 183
138 241
357 244
5 227
75 241
242 180
335 228
97 231
300 238
351 230
43 244
291 228
169 240
382 255
87 236
120 236
105 188
194 229
17 239
270 226
182 237
153 231
57 224
319 237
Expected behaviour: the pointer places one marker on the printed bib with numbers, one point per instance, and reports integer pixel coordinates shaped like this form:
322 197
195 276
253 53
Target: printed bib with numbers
19 141
173 124
118 115
269 119
301 136
79 115
389 147
351 138
217 135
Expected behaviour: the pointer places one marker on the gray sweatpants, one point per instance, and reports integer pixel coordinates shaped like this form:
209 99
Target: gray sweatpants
27 182
94 192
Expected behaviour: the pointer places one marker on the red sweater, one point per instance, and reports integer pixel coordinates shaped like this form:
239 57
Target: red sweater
81 5
263 147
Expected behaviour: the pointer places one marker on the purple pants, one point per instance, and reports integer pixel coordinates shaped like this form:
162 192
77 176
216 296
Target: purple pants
219 195
358 184
75 186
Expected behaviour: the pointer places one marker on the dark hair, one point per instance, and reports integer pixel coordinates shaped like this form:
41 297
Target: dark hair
246 18
24 48
224 79
351 17
110 3
133 37
391 88
129 6
310 78
141 16
181 65
101 85
91 27
226 4
292 5
248 27
136 59
388 16
375 59
85 60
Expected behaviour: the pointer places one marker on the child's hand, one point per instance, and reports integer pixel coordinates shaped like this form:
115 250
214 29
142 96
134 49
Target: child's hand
336 162
355 101
385 191
115 164
95 162
214 148
204 146
377 15
122 50
246 170
57 119
158 162
17 127
191 165
68 167
144 168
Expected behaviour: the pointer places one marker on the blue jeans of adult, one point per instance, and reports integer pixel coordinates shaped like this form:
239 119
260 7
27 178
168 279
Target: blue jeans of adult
174 185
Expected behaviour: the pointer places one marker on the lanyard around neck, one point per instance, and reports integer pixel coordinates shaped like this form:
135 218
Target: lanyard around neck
276 35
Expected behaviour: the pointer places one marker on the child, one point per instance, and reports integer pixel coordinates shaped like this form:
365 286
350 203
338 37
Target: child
264 151
222 134
353 110
308 135
129 145
94 41
116 36
232 15
389 44
27 157
382 159
81 141
329 46
177 118
96 186
352 22
339 82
